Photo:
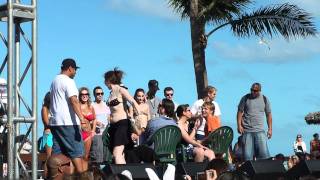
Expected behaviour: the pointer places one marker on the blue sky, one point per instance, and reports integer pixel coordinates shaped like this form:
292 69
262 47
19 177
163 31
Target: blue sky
147 41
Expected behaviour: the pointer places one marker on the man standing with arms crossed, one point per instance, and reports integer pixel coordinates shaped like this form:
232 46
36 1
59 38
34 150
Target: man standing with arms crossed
250 117
64 122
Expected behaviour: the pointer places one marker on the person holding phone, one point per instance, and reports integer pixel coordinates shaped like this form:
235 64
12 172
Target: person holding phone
193 147
299 147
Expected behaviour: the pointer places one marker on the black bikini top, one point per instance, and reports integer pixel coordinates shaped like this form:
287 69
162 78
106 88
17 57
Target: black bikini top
115 96
113 102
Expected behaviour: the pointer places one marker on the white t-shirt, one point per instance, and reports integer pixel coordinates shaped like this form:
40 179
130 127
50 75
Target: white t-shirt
303 148
102 113
196 110
62 88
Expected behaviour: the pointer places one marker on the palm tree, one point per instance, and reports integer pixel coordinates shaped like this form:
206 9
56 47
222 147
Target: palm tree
313 118
287 20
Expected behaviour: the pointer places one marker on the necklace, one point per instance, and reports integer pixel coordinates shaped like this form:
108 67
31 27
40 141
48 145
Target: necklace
153 102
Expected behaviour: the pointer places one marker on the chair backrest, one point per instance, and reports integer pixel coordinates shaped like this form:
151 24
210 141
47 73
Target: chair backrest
220 139
165 141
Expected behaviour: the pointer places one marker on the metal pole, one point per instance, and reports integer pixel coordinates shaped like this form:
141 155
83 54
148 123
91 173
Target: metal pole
20 120
16 97
10 91
23 7
34 92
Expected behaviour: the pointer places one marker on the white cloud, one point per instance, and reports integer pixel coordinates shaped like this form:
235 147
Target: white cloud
311 6
157 8
160 8
280 50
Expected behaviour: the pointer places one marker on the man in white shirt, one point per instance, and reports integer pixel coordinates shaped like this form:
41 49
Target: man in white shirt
210 94
98 152
64 122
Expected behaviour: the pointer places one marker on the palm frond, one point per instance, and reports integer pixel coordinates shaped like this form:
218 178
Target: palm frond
181 6
288 20
211 10
221 9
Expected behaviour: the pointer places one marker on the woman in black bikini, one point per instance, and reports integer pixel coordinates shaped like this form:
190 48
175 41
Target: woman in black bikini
120 127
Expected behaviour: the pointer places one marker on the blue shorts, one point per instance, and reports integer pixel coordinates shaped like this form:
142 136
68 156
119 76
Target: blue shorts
200 137
68 141
46 140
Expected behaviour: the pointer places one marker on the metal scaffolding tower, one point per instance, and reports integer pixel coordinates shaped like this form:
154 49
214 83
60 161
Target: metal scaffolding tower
17 16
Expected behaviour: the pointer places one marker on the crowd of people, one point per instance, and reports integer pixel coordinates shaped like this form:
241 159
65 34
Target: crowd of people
73 124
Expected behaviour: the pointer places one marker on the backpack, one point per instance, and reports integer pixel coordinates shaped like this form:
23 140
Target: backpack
247 96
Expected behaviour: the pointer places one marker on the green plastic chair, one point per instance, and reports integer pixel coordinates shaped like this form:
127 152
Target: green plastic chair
165 142
220 140
106 143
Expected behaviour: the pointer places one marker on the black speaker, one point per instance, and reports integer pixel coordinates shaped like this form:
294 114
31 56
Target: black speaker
137 169
309 167
190 168
264 169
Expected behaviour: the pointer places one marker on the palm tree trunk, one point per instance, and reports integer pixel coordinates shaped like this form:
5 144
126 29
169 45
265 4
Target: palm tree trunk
197 25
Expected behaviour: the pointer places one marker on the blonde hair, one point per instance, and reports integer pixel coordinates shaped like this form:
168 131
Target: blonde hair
89 99
210 105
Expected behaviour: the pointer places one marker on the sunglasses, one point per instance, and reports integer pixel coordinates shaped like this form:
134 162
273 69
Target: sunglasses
254 90
98 94
169 94
84 94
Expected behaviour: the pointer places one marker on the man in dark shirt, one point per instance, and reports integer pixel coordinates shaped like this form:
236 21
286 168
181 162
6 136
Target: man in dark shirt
152 100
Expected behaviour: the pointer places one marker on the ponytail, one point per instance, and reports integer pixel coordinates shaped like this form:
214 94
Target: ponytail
114 76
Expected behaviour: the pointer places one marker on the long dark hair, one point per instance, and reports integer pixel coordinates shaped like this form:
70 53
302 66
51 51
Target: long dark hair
168 106
136 93
114 76
180 109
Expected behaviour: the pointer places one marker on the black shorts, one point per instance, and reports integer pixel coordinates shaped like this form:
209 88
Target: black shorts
120 134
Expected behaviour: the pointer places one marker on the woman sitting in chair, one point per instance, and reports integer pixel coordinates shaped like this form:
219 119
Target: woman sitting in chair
192 146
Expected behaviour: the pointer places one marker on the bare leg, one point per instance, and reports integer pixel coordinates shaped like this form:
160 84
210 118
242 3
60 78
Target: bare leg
87 146
199 154
48 151
85 165
48 154
209 154
78 164
118 155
